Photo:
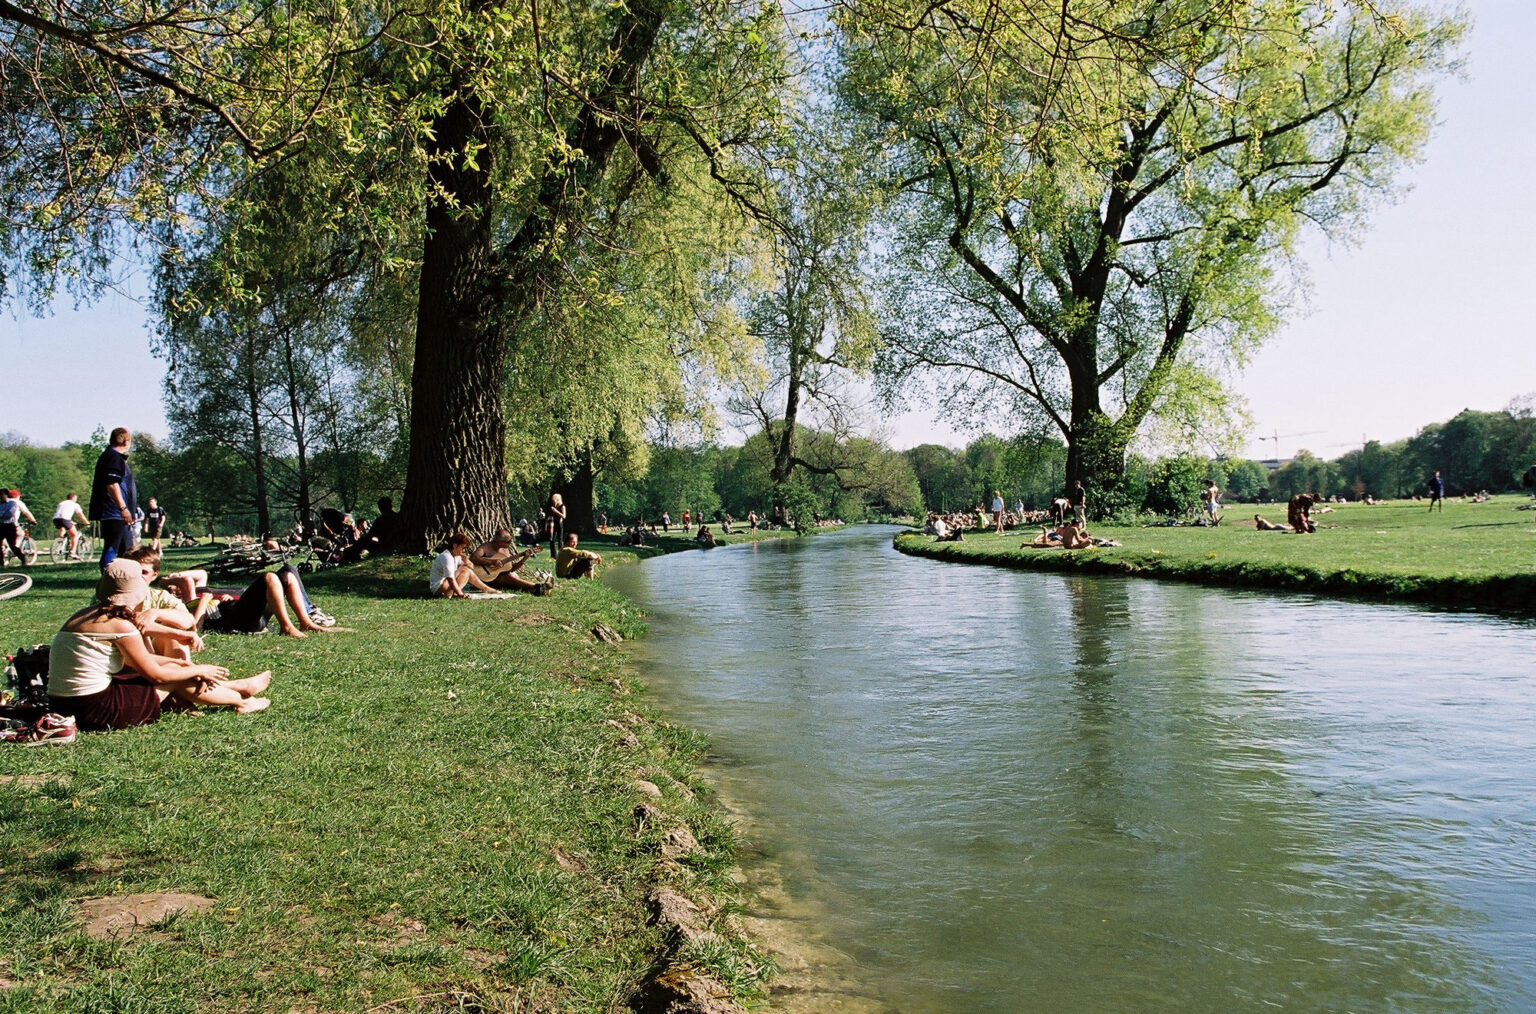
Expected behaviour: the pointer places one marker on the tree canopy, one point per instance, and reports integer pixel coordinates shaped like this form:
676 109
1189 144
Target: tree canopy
1095 208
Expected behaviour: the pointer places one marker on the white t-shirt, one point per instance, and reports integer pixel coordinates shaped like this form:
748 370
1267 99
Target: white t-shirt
445 566
68 510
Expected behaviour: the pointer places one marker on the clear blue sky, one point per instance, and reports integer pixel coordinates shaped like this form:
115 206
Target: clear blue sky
1429 314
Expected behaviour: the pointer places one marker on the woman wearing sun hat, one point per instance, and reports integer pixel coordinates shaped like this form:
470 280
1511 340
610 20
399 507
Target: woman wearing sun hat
101 670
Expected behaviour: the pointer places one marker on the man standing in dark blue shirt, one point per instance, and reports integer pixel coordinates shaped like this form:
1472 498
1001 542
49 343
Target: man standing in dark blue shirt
1437 493
113 497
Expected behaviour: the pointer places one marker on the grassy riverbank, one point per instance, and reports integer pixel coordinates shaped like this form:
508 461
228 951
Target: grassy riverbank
441 811
1478 555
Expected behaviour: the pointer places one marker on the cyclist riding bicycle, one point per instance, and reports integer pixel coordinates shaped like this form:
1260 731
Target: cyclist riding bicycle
11 512
64 516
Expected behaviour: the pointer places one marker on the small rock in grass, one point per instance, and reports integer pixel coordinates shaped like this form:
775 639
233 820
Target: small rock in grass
646 788
676 913
679 842
567 862
128 913
685 991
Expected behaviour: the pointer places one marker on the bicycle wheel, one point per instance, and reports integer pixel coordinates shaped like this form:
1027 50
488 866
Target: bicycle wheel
58 549
28 550
85 548
12 585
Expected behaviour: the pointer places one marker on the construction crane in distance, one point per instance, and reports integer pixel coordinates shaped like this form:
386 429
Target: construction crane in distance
1277 435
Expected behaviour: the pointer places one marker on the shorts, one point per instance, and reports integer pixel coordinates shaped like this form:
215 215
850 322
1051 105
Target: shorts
245 615
129 701
64 524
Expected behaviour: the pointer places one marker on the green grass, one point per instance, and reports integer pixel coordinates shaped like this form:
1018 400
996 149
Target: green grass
436 814
1477 555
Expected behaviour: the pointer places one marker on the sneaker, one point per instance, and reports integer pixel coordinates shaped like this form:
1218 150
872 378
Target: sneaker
50 730
320 619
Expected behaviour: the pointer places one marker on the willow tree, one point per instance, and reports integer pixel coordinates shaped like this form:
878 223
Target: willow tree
813 318
1096 203
467 146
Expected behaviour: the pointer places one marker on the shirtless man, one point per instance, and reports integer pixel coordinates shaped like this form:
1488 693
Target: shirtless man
1299 513
494 563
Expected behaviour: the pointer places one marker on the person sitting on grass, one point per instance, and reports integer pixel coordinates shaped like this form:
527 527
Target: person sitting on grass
573 562
451 572
494 563
704 537
101 671
385 530
1265 525
166 622
270 595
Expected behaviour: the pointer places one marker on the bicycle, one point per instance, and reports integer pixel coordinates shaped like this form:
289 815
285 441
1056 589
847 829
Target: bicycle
58 550
27 546
12 585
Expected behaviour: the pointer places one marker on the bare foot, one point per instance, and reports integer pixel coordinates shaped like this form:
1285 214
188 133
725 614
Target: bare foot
294 632
252 686
255 704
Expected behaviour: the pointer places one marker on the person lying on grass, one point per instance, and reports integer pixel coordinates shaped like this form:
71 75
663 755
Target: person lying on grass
102 671
573 562
270 595
1265 525
494 563
1065 536
185 584
451 572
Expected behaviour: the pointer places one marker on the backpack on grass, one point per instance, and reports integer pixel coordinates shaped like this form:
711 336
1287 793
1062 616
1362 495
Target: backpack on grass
27 676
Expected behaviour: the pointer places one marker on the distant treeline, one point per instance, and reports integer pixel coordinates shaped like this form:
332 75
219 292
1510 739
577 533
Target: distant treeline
206 487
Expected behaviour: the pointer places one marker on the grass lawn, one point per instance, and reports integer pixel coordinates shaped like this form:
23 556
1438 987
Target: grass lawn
1481 555
439 812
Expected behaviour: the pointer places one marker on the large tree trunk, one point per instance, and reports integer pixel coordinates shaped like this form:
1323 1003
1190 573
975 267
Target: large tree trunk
472 294
580 499
456 476
253 407
304 506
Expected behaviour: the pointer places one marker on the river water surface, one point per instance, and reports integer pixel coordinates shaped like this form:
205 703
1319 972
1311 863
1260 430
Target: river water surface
1008 791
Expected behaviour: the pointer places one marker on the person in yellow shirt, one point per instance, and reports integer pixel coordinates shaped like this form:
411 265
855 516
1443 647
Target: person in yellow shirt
573 562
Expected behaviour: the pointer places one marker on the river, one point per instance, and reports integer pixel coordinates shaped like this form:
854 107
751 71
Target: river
1007 791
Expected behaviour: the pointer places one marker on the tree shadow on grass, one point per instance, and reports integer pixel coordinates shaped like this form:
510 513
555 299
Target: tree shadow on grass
392 580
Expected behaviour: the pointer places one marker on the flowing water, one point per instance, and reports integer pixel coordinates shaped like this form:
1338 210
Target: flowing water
1007 791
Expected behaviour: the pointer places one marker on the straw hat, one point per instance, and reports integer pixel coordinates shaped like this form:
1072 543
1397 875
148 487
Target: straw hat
123 584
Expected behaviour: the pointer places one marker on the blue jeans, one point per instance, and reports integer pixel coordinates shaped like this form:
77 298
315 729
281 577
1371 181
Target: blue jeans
116 539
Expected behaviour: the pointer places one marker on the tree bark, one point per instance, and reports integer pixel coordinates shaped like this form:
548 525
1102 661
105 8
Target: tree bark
472 295
580 498
253 406
456 473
